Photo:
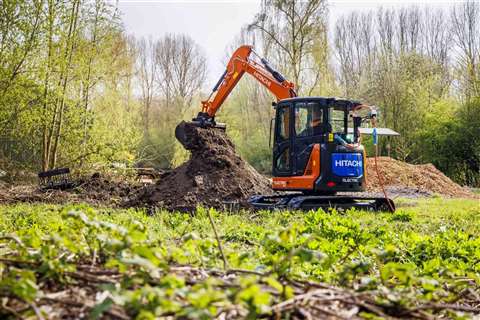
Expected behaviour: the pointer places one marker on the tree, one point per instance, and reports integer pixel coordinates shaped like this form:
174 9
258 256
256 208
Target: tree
355 48
171 72
465 19
181 70
147 71
56 58
396 59
294 29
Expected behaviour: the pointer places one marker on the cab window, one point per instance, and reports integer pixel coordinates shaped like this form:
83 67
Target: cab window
283 128
283 161
337 120
308 119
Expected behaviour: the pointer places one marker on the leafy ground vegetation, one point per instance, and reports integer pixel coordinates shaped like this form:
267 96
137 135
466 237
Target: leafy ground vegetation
77 261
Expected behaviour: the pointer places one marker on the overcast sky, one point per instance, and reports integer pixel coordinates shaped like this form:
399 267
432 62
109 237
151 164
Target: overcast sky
213 24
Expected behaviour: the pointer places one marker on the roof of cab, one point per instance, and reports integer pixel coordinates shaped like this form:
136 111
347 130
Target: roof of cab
325 101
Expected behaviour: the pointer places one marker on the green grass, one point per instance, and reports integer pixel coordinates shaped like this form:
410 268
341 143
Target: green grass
429 250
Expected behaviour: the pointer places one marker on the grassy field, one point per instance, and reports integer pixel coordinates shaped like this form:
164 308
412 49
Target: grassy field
421 261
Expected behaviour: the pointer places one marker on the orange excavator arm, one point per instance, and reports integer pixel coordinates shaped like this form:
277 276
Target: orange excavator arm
240 63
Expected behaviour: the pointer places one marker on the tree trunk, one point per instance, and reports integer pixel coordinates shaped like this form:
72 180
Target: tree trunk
86 89
45 153
69 51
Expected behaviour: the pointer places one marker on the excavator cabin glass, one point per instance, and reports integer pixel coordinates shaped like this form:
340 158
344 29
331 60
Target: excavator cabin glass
299 123
308 119
340 121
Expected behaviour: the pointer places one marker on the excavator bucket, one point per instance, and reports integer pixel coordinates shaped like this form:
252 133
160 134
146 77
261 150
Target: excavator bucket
185 135
181 134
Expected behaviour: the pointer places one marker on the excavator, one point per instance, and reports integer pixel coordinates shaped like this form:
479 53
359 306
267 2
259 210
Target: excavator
318 159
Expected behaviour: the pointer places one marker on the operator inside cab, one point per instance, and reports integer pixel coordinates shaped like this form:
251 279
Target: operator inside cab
309 119
343 119
317 122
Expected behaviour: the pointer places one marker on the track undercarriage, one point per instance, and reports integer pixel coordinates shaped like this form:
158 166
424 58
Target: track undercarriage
299 201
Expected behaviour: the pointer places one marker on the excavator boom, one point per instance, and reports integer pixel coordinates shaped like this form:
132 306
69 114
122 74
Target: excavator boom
239 64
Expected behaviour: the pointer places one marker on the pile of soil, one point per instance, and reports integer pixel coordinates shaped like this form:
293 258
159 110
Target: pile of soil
95 189
104 189
214 176
423 179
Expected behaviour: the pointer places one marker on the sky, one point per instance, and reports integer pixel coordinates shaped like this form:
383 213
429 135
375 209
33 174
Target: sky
213 24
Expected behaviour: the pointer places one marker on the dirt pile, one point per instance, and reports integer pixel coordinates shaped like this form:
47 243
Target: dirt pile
214 176
424 178
95 189
104 189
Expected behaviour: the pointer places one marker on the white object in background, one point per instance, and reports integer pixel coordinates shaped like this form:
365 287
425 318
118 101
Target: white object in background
380 131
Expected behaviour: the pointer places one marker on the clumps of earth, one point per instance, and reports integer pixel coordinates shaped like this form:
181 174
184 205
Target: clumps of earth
214 176
96 189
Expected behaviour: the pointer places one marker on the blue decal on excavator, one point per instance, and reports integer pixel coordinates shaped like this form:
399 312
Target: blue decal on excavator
347 164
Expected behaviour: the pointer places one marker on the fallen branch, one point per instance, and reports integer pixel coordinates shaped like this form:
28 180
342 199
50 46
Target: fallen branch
225 262
446 306
89 278
13 238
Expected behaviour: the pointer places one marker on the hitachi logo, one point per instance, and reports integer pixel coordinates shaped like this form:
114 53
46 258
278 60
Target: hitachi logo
262 79
348 163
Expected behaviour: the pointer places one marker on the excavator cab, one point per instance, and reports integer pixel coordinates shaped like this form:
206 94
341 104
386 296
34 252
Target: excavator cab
316 155
313 151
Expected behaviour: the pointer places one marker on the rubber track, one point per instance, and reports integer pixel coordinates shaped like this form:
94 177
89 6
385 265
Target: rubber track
304 202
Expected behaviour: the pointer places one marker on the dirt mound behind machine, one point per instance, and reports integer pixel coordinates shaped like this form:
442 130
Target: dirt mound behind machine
420 178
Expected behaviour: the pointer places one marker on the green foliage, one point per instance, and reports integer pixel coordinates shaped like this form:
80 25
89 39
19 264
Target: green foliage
465 136
65 73
451 141
403 216
418 255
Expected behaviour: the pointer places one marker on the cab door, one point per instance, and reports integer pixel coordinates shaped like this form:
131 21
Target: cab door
283 159
308 130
